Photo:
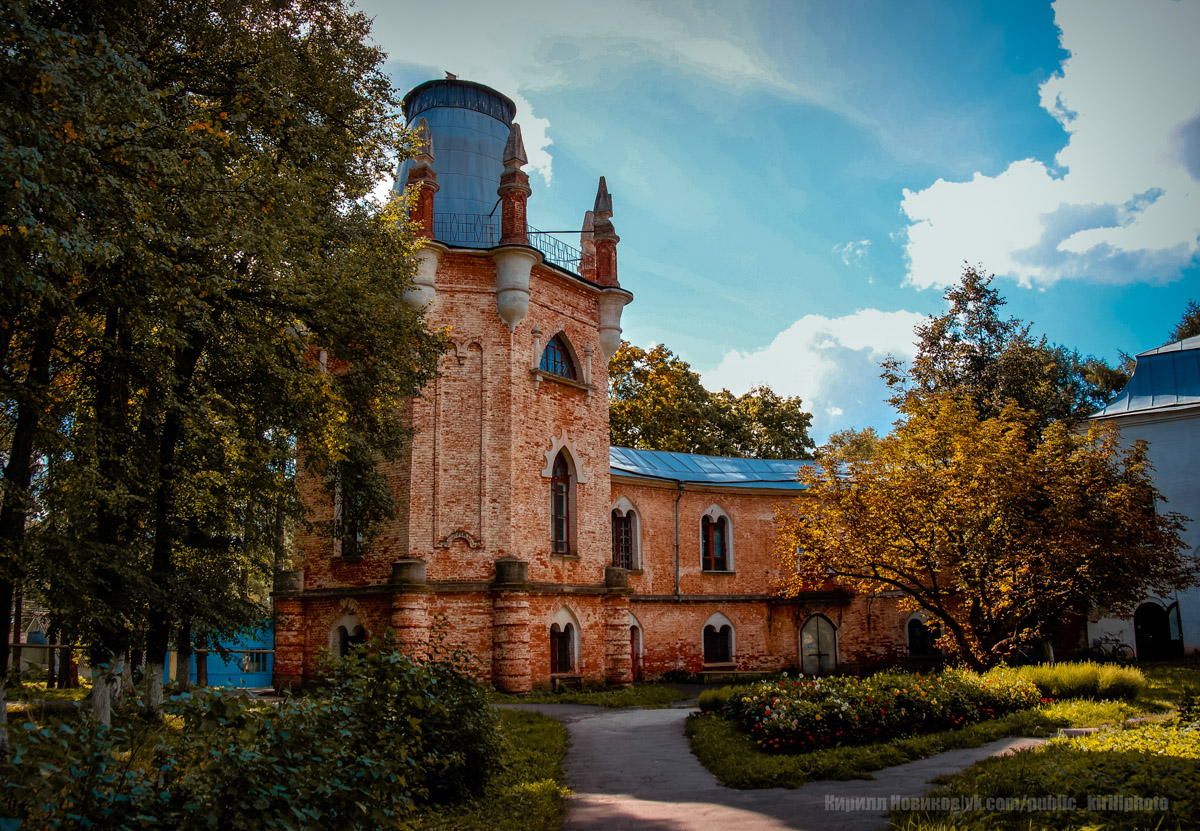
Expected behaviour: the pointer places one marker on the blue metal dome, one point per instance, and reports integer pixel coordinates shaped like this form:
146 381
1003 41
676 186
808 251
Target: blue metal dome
469 125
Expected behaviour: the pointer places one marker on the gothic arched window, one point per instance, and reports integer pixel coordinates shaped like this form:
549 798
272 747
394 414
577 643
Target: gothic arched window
560 506
714 536
557 360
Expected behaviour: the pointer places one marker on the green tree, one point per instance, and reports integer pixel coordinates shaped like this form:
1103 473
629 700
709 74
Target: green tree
656 402
992 533
973 350
1188 325
850 445
189 235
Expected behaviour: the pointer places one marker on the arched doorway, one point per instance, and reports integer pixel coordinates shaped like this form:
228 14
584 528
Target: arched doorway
818 646
349 638
1154 635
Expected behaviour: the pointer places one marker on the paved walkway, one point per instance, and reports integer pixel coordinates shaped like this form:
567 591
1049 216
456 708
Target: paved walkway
633 769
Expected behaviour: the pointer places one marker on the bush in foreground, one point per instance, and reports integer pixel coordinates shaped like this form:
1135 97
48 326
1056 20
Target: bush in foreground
386 735
797 715
1102 682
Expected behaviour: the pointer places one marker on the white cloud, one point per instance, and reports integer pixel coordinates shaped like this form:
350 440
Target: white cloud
542 44
853 253
831 363
1121 203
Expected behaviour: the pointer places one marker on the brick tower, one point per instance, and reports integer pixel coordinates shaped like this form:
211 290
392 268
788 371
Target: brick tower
503 524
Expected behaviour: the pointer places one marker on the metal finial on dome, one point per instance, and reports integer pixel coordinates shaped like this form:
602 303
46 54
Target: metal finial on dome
514 149
603 208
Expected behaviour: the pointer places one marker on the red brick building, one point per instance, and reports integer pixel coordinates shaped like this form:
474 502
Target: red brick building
550 554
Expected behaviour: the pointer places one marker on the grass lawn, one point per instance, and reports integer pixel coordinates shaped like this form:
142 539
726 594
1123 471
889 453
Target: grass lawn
643 695
527 795
1166 681
1101 773
1156 760
32 692
735 759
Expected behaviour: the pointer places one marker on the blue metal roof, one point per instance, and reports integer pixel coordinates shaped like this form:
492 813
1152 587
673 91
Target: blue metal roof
691 468
1163 378
469 125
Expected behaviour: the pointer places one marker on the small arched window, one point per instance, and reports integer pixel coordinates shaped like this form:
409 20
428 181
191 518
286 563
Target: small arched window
560 506
714 535
622 540
562 641
557 359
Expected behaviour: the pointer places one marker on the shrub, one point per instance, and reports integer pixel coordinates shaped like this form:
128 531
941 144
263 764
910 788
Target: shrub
1106 682
715 701
800 715
386 734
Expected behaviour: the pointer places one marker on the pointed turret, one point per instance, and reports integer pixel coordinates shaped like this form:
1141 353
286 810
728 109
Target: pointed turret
423 180
514 150
603 208
587 248
424 144
605 237
513 191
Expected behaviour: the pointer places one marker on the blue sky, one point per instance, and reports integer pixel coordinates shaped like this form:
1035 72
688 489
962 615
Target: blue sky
795 184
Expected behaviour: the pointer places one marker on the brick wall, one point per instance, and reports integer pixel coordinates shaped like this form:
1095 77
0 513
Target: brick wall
472 492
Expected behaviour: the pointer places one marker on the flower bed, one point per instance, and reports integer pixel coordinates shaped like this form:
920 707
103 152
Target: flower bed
796 715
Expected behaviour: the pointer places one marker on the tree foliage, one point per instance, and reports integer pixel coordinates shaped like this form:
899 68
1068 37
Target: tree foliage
850 445
186 246
973 350
1188 325
656 402
992 533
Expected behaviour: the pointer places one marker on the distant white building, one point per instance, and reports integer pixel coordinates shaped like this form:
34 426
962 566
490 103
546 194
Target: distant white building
1161 405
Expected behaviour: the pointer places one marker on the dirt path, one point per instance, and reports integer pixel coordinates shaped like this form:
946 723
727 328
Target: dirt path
633 769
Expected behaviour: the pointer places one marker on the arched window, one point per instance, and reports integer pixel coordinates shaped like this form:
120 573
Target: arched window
556 359
626 535
562 652
718 639
714 543
560 506
818 646
921 638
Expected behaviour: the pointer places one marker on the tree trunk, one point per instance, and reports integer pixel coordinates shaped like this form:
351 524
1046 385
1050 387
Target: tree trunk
125 685
52 656
18 473
183 658
18 613
3 724
106 679
162 567
66 663
202 662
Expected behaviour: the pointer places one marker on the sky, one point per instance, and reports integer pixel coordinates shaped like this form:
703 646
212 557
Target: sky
796 184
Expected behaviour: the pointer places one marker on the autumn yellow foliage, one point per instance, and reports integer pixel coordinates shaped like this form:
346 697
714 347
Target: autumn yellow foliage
994 532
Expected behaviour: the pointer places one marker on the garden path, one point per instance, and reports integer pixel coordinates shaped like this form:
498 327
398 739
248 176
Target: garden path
633 769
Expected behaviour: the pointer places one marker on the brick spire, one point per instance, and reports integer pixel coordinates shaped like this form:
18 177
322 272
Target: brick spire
587 248
513 191
605 237
424 180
